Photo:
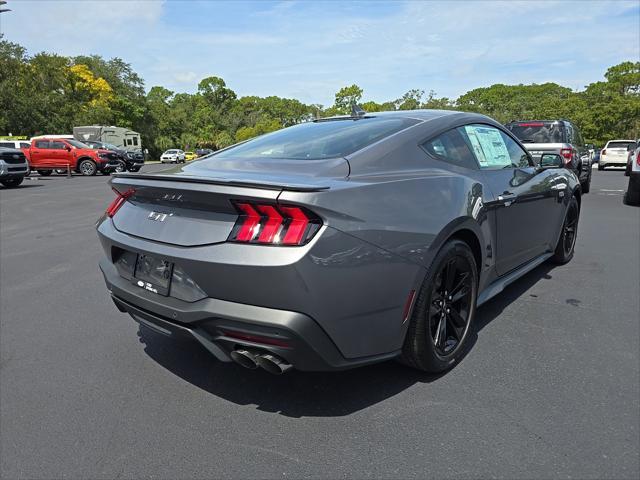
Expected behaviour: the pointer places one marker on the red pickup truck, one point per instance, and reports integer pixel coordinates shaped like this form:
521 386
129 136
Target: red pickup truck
48 154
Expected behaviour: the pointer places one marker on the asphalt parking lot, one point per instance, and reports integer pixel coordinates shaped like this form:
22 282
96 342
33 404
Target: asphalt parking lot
550 389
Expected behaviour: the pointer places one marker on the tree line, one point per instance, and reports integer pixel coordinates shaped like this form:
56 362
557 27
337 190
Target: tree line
49 93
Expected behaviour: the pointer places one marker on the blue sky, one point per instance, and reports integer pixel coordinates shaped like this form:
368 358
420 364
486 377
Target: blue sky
308 50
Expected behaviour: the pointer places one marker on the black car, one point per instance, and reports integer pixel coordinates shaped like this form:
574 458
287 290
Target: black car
201 152
131 160
560 137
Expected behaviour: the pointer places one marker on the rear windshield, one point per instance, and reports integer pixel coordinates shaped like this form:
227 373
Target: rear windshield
538 132
620 144
318 140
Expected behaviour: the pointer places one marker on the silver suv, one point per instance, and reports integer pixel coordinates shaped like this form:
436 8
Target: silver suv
560 137
13 167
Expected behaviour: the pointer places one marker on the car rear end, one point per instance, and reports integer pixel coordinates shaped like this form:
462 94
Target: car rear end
244 255
540 137
615 153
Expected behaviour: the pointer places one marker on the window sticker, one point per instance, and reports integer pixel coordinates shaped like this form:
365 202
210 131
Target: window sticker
489 146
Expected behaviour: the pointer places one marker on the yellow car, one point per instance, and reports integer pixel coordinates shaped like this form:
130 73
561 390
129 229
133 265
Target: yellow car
188 156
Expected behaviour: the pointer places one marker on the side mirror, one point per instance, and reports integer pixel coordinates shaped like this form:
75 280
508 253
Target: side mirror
551 160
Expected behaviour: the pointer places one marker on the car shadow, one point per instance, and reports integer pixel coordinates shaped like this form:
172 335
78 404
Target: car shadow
24 185
307 394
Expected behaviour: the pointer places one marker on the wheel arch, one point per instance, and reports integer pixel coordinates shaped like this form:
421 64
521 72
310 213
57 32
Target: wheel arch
467 230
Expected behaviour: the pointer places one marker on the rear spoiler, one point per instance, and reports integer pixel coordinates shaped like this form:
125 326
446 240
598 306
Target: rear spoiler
132 179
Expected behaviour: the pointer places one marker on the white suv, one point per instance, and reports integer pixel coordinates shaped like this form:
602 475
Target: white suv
614 154
173 156
632 197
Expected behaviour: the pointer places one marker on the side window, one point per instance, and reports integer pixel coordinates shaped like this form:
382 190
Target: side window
450 147
578 136
570 136
24 145
42 143
57 145
493 148
6 144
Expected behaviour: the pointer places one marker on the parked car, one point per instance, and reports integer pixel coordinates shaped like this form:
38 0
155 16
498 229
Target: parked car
632 196
46 155
201 152
556 136
13 166
188 156
615 153
14 144
339 242
173 156
131 160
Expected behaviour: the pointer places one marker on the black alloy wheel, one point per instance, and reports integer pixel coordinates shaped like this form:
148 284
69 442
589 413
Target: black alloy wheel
442 318
570 229
450 305
567 242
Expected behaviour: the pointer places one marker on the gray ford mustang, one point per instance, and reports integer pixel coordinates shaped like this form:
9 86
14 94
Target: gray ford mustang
338 242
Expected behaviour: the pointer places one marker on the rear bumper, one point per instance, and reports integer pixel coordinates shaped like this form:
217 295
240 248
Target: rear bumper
209 321
614 162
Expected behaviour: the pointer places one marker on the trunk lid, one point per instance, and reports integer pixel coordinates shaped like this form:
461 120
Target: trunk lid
192 205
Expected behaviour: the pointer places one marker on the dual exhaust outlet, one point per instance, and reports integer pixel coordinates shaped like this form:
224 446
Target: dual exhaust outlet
252 360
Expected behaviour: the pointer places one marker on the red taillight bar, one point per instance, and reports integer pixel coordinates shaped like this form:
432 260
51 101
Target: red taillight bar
251 221
117 202
271 224
567 153
638 159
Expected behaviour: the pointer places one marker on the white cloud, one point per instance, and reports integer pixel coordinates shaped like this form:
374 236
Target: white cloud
308 50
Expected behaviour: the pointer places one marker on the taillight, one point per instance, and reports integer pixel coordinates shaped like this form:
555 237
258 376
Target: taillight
117 202
638 159
271 224
567 154
603 152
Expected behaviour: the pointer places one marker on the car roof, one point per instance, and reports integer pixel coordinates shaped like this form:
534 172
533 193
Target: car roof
417 114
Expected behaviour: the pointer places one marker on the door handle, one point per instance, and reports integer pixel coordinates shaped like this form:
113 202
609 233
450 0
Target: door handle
507 198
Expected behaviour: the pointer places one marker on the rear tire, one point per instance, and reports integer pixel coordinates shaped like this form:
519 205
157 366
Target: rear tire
632 195
441 323
12 182
586 186
88 168
600 167
567 242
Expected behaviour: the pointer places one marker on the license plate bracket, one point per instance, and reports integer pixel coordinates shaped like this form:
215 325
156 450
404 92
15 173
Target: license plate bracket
153 274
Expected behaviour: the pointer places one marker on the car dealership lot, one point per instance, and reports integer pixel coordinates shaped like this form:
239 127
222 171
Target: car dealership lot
550 388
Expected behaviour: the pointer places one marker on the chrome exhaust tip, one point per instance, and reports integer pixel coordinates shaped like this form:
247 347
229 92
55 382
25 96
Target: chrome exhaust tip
273 364
244 358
